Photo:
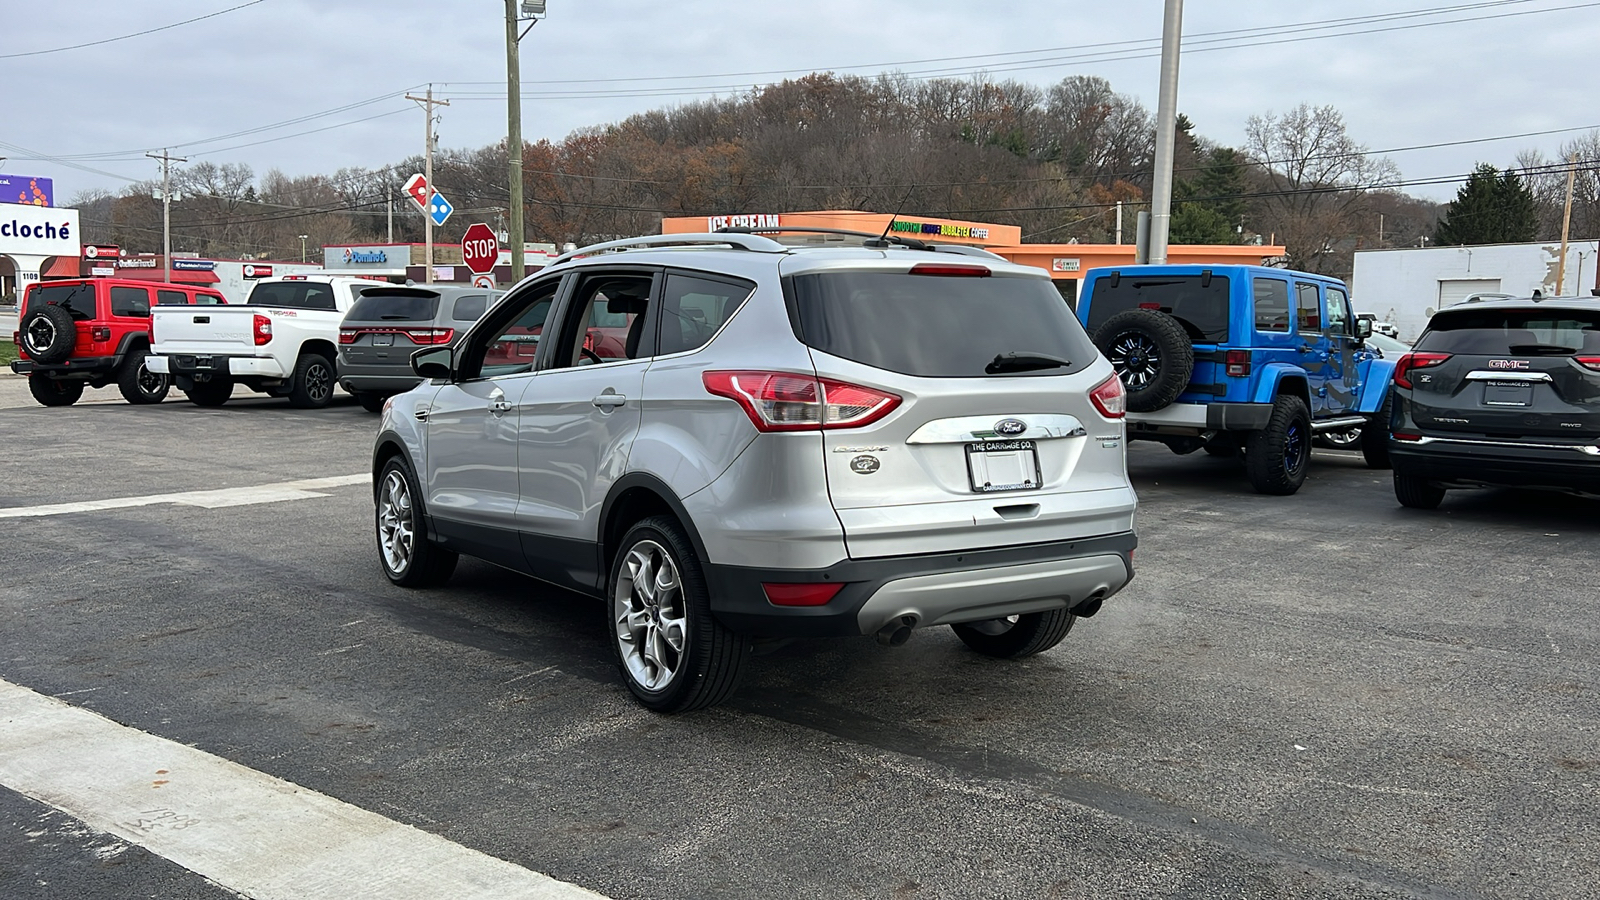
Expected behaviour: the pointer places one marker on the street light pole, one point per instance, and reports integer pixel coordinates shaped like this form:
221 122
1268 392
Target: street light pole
303 247
532 9
1166 132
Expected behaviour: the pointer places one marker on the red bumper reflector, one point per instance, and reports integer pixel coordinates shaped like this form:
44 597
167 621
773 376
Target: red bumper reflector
812 594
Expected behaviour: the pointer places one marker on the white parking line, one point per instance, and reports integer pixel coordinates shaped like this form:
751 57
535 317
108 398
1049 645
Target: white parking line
254 834
242 496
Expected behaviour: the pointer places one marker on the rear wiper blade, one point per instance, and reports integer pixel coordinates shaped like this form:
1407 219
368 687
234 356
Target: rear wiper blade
1024 362
1541 350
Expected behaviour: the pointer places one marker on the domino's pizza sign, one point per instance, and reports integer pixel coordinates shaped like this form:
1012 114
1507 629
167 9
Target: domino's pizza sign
39 231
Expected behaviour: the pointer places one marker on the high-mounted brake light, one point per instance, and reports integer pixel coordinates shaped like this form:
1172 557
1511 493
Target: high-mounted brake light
262 329
813 594
1238 363
1413 361
1110 398
950 271
787 401
1588 362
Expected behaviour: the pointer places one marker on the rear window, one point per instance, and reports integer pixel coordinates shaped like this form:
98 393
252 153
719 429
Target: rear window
1519 332
293 294
1199 302
380 307
937 326
77 299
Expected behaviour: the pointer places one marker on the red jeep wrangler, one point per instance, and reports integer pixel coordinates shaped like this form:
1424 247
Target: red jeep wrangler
94 332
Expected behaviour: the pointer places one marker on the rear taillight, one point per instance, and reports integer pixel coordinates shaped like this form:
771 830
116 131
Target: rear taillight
1588 362
99 333
262 329
814 594
430 335
786 401
348 335
1238 363
1407 436
950 271
1413 361
1110 399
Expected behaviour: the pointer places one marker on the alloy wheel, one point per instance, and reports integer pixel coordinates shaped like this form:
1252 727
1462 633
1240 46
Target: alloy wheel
150 383
396 524
1137 360
650 617
40 335
319 382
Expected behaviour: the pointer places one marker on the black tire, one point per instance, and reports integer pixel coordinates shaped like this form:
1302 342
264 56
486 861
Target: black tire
1276 458
1224 446
50 392
1016 636
706 667
1152 355
371 401
48 333
210 393
138 384
405 552
1375 437
314 377
1416 493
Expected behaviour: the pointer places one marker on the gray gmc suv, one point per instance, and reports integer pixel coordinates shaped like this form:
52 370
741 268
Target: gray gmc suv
765 440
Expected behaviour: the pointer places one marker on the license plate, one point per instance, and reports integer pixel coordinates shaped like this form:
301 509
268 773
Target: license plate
383 340
1507 393
1003 466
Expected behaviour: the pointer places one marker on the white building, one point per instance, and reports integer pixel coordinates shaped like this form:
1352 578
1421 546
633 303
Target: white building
1406 286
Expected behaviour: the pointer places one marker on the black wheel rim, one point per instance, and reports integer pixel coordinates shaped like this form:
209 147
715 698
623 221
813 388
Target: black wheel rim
150 383
1136 358
1294 449
318 383
40 335
1348 438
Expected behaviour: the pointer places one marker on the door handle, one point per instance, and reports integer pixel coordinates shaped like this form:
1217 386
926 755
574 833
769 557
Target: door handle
609 401
498 405
421 414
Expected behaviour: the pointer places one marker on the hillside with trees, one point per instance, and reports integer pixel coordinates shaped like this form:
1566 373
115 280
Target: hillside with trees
1054 161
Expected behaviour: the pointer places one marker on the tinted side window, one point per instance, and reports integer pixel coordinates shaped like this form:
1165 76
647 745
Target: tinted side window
172 298
130 301
694 308
1309 310
1338 312
209 299
513 343
1199 302
470 308
1272 304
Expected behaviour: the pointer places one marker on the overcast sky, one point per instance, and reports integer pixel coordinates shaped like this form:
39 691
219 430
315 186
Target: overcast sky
1483 70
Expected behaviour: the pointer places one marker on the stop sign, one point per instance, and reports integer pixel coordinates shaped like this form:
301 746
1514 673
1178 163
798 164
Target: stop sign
479 249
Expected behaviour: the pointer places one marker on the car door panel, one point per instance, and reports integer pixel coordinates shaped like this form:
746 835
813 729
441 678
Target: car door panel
472 487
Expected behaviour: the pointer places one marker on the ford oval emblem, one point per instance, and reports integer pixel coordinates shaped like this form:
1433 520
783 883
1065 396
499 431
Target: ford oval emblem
1010 427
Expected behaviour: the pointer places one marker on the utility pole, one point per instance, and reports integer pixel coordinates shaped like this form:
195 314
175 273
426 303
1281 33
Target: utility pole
1566 226
1119 221
166 207
1166 132
533 9
428 103
388 202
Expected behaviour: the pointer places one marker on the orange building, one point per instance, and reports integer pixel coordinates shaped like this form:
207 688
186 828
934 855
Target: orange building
1064 262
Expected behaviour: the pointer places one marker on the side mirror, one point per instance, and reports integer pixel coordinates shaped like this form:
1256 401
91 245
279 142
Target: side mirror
1363 329
434 362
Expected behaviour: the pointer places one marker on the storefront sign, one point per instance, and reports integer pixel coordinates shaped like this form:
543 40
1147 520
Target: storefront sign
28 190
1064 265
101 251
444 273
758 221
932 229
255 270
39 231
194 265
103 271
365 257
142 262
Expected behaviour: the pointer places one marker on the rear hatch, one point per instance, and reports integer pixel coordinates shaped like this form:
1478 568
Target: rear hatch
990 436
1525 372
1198 300
385 325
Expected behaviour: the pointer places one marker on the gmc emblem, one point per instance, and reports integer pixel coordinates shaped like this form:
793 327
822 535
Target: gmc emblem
1508 364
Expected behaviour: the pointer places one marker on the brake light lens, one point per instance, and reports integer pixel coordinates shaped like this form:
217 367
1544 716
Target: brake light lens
99 333
1588 362
262 329
1110 398
787 401
1238 363
949 271
814 594
348 335
430 335
1413 361
1407 436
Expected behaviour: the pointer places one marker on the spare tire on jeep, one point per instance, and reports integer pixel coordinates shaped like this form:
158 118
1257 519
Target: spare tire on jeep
48 333
1152 355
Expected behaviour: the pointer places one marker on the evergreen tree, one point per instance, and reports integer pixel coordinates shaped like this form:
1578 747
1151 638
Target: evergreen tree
1490 208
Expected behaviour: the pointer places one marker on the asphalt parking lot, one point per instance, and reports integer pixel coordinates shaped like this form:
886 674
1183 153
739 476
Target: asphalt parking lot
1323 695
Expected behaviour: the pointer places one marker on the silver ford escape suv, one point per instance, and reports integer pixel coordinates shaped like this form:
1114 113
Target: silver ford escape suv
765 440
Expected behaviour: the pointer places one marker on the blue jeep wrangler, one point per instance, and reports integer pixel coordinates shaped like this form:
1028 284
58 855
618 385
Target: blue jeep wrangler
1240 360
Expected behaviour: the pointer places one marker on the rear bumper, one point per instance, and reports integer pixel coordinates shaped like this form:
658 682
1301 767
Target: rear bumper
381 379
1569 467
237 366
1182 418
89 367
936 589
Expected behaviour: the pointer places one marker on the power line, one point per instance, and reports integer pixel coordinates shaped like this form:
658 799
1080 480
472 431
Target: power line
135 34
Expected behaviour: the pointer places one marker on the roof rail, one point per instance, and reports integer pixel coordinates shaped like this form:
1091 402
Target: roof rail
751 242
873 240
966 250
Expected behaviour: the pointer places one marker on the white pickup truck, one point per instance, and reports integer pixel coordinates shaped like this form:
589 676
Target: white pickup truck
283 341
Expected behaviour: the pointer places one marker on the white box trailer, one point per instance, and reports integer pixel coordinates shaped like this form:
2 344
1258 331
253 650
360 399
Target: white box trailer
1406 286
